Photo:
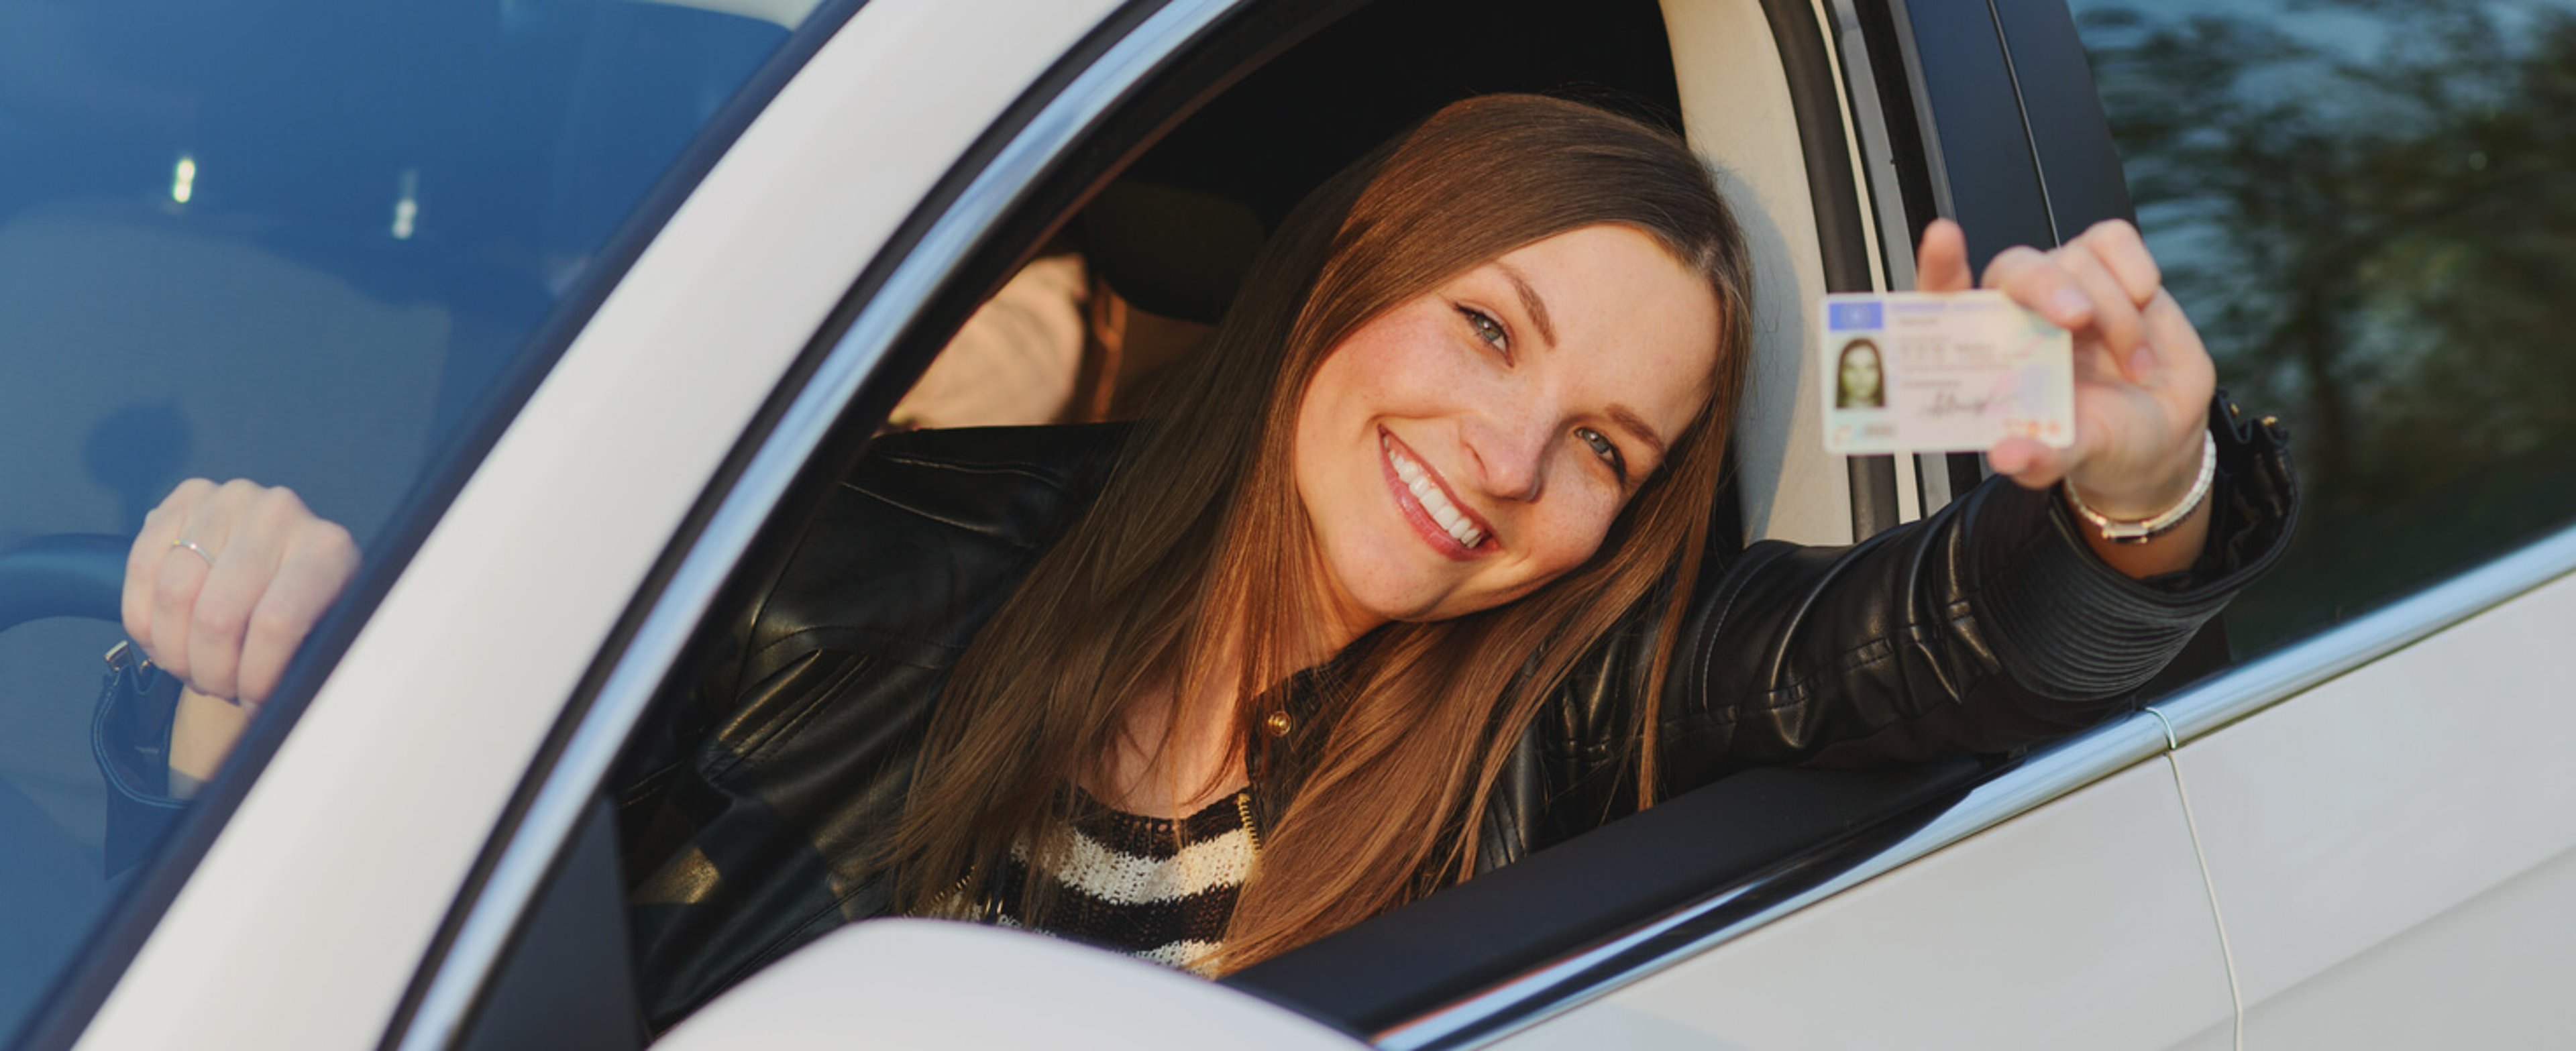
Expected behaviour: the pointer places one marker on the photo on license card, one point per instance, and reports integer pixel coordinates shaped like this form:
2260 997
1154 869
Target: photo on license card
1916 372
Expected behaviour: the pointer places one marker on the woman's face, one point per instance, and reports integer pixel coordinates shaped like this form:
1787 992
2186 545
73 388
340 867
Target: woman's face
1860 374
1474 443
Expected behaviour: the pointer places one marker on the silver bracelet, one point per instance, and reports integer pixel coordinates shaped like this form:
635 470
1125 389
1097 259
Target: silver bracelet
2143 530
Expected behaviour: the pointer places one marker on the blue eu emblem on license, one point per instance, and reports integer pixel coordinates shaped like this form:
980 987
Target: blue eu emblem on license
1863 314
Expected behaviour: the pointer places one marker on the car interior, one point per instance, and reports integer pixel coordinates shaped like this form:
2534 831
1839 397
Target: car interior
1164 215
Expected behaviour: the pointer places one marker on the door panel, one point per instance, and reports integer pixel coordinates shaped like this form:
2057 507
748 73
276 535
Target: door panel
2394 832
2084 923
2490 972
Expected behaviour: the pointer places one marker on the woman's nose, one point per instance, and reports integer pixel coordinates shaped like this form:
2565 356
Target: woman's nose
1511 454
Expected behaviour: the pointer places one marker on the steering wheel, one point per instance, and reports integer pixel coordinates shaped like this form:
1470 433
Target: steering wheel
63 575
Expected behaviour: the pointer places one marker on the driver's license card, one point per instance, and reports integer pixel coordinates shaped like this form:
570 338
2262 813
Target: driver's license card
1908 372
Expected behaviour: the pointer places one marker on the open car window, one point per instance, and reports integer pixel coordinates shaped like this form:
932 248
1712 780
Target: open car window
316 246
1099 290
2372 202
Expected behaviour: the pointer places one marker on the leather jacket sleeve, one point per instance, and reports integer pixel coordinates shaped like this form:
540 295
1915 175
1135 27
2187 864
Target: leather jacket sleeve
1984 627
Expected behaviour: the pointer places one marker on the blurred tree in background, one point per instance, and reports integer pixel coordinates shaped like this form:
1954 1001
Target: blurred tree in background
2369 207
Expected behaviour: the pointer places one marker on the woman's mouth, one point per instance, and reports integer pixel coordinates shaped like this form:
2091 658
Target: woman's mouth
1452 529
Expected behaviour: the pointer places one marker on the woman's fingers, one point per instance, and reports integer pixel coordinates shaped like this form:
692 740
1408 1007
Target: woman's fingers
242 573
2143 378
2034 464
227 621
2030 464
151 546
2036 281
2180 356
2124 254
317 563
205 524
2116 321
1941 264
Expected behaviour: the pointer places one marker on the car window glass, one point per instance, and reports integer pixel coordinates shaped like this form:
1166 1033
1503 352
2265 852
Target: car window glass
2370 210
291 241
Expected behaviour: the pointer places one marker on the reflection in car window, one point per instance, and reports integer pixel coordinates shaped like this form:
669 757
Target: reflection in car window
288 241
2370 208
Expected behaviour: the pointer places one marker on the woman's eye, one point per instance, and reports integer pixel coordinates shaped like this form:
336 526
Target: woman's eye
1604 448
1485 327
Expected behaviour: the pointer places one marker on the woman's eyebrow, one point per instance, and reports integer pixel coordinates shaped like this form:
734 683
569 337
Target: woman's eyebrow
1629 421
1530 302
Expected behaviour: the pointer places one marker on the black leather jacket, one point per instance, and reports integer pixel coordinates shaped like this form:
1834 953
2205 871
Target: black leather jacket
1985 627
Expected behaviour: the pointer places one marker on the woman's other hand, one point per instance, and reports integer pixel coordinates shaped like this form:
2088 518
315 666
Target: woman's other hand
226 580
2142 380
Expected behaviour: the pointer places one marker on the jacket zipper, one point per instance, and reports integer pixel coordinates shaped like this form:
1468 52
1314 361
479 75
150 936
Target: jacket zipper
1251 831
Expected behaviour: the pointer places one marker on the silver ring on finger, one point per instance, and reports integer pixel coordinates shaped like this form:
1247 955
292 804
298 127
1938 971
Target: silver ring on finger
191 545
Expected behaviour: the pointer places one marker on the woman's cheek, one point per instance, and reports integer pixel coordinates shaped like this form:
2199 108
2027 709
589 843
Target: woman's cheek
1575 534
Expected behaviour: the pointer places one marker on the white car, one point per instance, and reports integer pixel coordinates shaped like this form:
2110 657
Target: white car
562 305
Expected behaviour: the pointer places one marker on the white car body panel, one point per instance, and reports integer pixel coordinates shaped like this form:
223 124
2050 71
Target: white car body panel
2084 923
2350 829
341 863
2491 971
933 984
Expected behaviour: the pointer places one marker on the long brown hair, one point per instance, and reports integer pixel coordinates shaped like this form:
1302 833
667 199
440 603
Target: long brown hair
1196 563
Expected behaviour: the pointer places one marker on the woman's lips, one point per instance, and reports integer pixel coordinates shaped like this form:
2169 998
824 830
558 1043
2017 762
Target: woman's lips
1423 508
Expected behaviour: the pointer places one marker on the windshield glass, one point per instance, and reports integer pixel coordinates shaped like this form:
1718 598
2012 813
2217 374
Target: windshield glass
294 241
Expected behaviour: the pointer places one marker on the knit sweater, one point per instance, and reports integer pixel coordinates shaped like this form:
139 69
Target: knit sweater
1155 888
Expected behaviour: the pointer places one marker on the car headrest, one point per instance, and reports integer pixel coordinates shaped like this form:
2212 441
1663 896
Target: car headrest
1171 251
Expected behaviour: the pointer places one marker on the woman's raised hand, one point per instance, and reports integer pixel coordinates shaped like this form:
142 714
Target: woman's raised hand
225 581
2142 377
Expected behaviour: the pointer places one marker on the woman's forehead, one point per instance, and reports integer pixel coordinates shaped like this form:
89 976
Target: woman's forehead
1615 303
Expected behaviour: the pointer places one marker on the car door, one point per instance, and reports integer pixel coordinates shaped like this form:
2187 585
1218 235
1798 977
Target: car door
2361 203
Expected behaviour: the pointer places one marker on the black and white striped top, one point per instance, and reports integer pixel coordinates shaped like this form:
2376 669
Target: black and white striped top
1129 883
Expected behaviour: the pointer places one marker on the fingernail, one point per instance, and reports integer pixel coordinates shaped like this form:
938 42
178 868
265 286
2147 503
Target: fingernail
2070 303
2141 362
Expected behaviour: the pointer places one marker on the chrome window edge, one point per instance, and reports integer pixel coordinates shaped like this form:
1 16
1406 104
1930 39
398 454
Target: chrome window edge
1876 169
2257 684
648 658
1734 911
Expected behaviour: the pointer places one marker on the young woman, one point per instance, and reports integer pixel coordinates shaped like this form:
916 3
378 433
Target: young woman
1407 582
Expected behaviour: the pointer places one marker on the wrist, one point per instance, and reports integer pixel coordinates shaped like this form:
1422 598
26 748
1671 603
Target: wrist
2117 528
2141 495
202 733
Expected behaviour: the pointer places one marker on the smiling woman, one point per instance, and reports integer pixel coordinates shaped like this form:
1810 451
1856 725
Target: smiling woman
1263 525
1508 436
1390 592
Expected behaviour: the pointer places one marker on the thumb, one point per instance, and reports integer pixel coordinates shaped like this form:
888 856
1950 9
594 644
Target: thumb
1941 263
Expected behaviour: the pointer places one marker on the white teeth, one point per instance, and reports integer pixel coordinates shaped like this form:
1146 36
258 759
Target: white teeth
1456 523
